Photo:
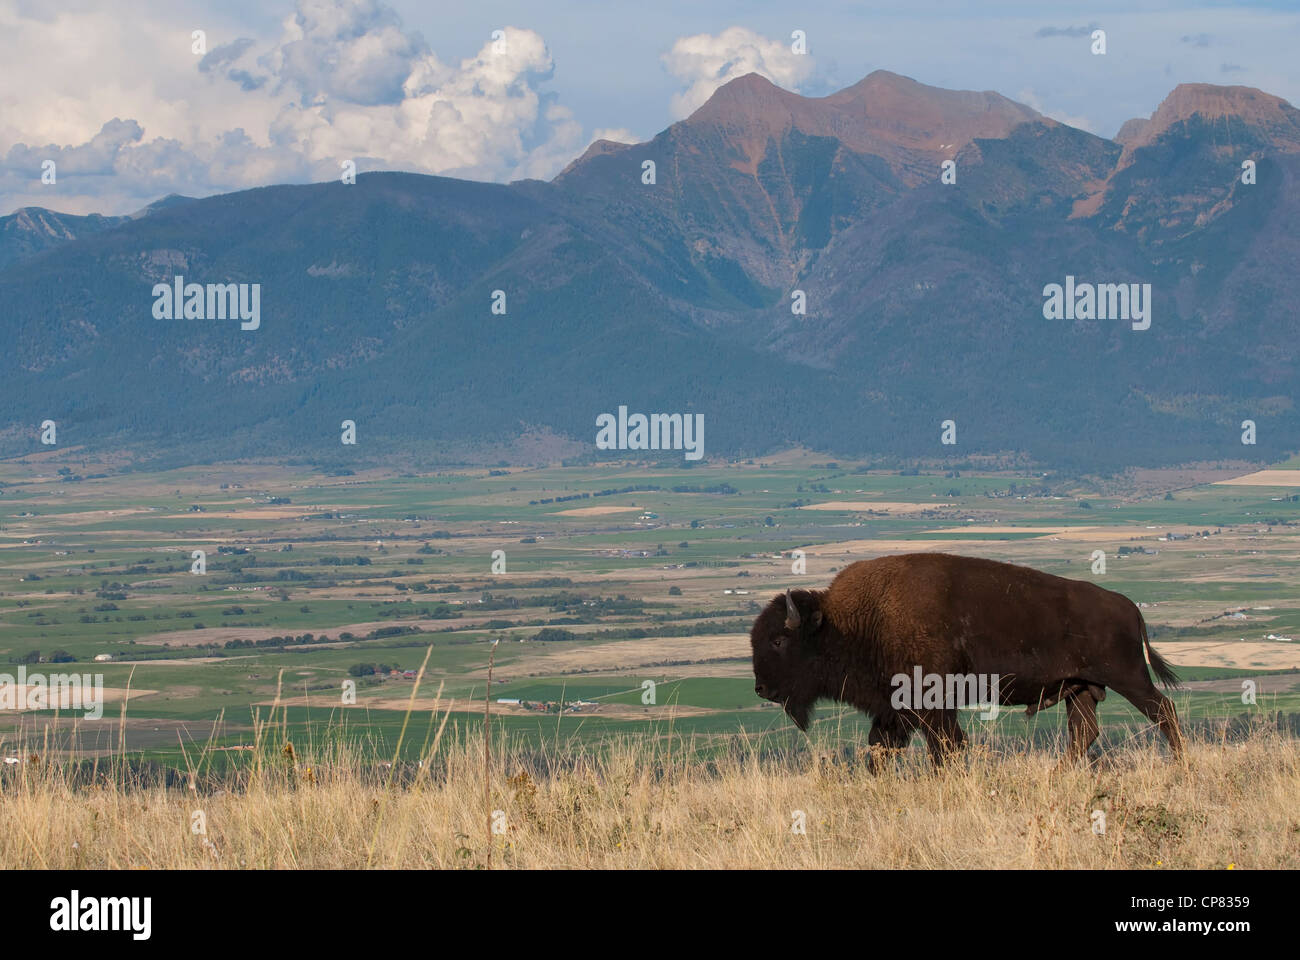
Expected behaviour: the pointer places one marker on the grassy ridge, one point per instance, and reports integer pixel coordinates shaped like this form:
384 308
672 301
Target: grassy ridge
652 803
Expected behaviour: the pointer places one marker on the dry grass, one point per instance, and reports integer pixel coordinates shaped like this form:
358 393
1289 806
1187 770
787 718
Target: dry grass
653 803
1265 478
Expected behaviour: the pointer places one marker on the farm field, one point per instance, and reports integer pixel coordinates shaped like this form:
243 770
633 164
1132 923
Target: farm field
622 592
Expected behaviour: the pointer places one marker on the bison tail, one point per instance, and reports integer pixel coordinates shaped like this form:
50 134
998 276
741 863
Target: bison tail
1164 673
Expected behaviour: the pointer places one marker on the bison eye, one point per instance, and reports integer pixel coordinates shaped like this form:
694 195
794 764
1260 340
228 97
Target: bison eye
777 641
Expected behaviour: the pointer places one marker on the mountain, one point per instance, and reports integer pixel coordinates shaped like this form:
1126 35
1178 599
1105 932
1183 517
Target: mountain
925 300
31 230
762 179
171 200
1232 114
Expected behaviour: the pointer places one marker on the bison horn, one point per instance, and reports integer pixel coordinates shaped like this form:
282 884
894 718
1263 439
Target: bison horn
791 613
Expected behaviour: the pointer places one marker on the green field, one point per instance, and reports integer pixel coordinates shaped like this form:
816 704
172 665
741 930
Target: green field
614 575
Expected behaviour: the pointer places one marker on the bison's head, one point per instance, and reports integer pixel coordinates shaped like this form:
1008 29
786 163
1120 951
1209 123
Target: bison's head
786 645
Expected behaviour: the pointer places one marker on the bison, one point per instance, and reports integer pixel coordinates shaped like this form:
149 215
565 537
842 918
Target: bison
1045 637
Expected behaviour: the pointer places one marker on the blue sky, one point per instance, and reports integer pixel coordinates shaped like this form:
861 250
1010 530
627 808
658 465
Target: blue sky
285 90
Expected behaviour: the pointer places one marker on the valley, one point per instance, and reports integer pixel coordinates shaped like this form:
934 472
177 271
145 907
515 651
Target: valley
628 616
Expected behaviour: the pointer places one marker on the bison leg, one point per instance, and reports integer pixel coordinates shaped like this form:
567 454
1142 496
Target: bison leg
1082 708
1157 708
943 734
889 733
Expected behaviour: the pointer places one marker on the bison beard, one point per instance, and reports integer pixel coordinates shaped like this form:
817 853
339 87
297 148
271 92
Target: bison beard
800 711
1049 639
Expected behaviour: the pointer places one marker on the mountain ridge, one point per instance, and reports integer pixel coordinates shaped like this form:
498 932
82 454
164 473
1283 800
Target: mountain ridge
924 299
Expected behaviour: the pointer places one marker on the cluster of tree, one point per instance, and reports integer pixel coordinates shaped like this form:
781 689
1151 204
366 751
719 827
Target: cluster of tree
34 656
575 496
711 488
439 611
681 630
567 602
370 669
286 641
551 634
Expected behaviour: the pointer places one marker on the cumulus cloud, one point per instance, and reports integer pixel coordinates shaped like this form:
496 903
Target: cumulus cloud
342 80
354 52
220 60
704 62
